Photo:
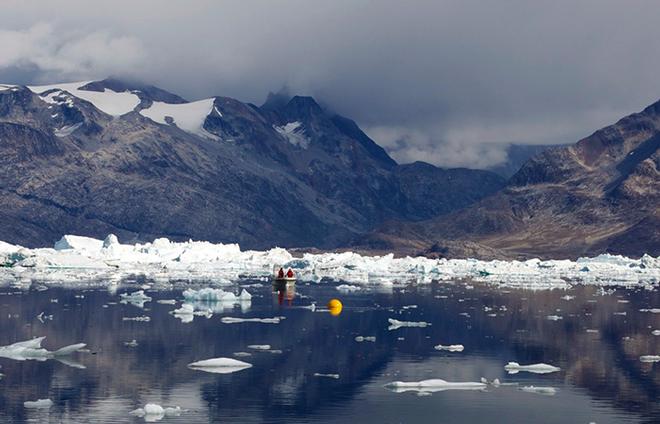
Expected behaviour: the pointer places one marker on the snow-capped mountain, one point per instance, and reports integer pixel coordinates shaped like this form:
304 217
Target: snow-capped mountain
96 157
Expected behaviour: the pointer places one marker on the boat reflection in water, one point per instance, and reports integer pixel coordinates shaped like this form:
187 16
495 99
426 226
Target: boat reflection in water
285 290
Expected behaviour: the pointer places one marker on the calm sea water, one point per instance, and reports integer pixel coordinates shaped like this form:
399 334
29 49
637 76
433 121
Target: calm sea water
597 347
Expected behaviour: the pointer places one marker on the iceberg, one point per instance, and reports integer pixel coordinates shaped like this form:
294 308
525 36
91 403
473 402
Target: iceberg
433 385
137 298
514 368
77 258
219 365
32 350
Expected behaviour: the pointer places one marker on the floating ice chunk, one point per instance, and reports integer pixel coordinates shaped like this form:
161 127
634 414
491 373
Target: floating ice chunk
554 317
132 343
650 358
365 339
547 391
142 318
166 301
216 295
396 324
652 310
259 347
153 412
433 385
568 297
43 317
137 298
69 242
347 288
242 354
335 376
219 365
31 349
450 348
655 332
38 404
232 320
514 368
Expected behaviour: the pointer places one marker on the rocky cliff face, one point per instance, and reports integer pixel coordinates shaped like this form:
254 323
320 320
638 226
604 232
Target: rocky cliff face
112 156
599 195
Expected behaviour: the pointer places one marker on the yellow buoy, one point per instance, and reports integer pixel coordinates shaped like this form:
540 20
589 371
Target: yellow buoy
335 307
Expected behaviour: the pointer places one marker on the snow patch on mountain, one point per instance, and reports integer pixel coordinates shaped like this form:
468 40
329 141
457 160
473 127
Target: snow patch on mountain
189 117
67 130
107 101
294 133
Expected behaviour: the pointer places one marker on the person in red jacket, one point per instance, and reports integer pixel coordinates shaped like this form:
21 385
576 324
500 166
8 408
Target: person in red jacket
280 273
289 273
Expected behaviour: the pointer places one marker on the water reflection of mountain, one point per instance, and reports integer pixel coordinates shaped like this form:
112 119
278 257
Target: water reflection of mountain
282 385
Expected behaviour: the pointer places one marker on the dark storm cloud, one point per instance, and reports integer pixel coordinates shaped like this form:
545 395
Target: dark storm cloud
449 82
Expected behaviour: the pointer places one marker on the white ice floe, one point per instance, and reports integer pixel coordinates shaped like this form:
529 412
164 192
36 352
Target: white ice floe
335 376
450 348
652 310
655 332
347 288
189 117
152 412
32 350
650 358
294 133
547 391
219 365
142 318
137 298
361 339
38 404
514 368
396 324
107 101
259 347
433 385
554 317
77 258
216 295
233 320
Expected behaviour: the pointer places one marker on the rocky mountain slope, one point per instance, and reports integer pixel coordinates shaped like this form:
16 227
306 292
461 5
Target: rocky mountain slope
113 156
599 195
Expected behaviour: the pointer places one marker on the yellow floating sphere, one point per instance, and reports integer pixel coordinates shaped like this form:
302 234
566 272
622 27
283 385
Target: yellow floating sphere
335 307
334 303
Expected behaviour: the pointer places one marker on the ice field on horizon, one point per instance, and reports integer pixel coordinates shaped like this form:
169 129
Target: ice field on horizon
83 259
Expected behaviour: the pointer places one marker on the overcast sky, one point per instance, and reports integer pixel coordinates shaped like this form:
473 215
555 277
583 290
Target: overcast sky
448 82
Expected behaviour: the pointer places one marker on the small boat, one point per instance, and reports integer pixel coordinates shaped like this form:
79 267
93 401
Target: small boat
282 277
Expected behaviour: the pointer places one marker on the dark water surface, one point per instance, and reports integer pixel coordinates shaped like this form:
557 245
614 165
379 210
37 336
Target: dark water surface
601 380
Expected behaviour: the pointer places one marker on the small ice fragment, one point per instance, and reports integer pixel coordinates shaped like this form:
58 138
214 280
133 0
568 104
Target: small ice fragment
652 310
259 347
554 317
232 320
655 332
396 324
137 298
154 412
450 348
348 288
568 297
650 358
365 339
409 307
547 391
219 365
496 382
335 376
138 319
166 301
514 368
242 354
433 385
38 404
132 343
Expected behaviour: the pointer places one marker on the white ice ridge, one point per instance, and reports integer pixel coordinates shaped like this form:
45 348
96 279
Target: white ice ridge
219 365
189 117
108 101
76 258
514 368
433 385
